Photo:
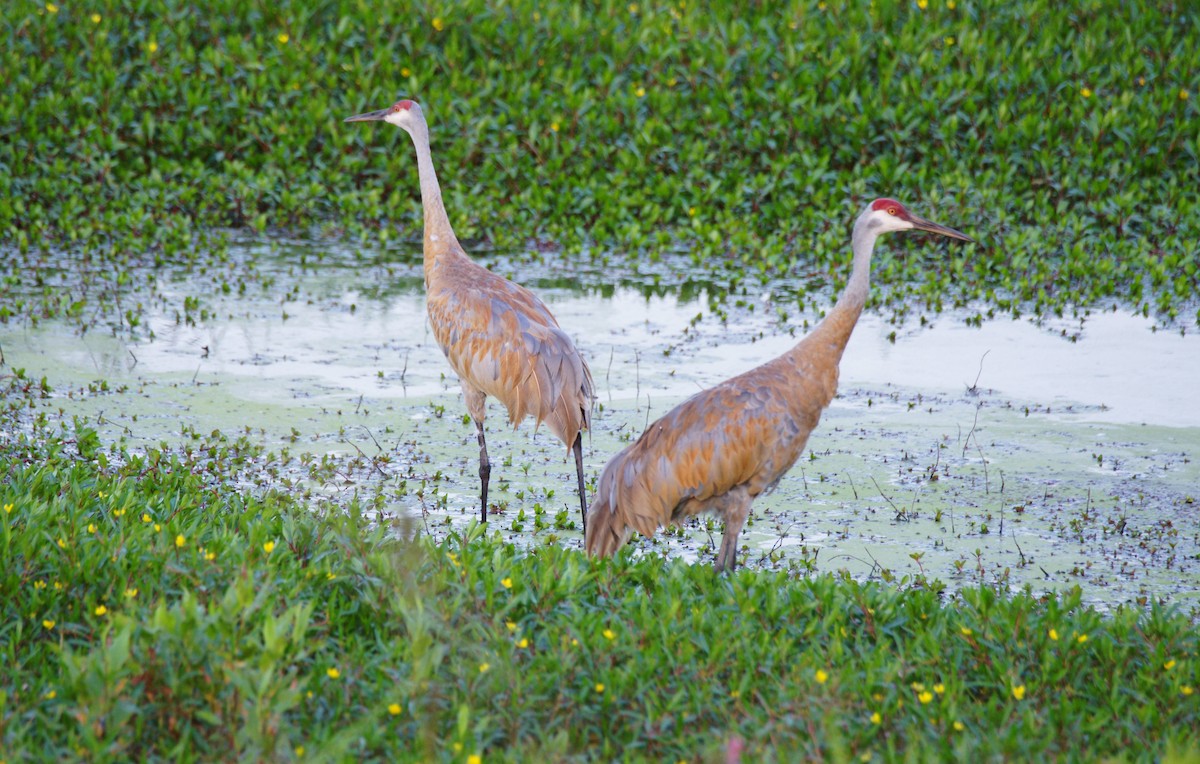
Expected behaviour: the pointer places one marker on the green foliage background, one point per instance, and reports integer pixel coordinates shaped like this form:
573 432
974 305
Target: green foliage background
1063 135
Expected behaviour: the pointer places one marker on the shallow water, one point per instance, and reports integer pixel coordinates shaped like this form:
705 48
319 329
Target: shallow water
1004 453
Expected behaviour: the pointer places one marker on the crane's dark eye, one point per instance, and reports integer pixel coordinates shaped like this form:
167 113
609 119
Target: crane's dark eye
892 211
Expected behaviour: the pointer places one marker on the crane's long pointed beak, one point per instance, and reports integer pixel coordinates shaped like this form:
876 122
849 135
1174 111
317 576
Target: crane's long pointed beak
921 224
370 116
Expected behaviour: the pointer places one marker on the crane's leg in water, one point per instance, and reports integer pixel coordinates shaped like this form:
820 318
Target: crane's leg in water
485 471
578 447
735 511
477 408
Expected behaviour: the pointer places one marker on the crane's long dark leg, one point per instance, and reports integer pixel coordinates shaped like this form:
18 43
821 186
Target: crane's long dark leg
477 408
485 471
578 447
735 510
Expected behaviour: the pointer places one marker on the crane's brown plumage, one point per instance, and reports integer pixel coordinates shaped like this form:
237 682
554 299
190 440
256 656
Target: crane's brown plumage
503 342
723 447
499 338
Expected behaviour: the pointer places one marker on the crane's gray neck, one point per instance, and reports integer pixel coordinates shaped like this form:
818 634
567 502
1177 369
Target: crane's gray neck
439 236
835 329
862 242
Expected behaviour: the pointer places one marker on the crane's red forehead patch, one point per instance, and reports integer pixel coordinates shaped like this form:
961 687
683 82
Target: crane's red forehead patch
403 105
885 203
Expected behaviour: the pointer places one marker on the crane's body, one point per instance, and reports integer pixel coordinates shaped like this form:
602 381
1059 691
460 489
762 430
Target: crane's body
725 446
500 339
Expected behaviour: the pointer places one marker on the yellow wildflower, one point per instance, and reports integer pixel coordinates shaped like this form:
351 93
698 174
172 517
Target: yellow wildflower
1054 634
1169 664
131 593
1085 92
394 709
950 4
8 508
510 625
640 92
283 38
332 673
922 4
1018 691
959 726
146 517
405 72
1081 638
1183 94
483 667
51 8
925 697
180 541
48 623
152 46
1186 689
438 24
599 687
609 634
95 18
554 126
966 632
939 688
51 695
91 527
269 547
876 718
101 610
821 676
474 759
506 583
949 41
523 643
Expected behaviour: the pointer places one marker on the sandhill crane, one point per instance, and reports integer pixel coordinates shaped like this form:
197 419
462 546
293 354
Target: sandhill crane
721 448
498 336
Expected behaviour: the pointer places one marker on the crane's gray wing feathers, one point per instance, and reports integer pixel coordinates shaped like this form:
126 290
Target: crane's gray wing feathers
501 339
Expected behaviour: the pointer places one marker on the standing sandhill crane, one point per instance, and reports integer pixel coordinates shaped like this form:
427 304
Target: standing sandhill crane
498 336
721 448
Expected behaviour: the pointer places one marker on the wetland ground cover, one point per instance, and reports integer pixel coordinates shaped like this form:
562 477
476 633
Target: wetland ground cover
223 418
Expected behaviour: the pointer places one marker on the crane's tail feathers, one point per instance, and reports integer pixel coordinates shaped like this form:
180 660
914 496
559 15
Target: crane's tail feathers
623 503
550 381
606 529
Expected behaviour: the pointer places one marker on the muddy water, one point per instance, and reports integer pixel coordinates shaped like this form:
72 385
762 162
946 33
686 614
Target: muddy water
1004 454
